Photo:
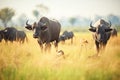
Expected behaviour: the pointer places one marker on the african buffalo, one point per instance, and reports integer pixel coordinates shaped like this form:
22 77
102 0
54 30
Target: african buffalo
21 36
46 31
12 34
114 32
101 33
62 38
66 35
9 34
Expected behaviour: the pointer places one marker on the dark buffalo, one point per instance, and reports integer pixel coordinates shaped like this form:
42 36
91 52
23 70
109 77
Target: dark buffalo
66 35
21 36
11 34
101 33
45 31
114 32
1 35
62 38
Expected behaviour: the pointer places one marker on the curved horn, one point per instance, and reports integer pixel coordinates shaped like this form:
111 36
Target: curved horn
27 22
110 23
91 25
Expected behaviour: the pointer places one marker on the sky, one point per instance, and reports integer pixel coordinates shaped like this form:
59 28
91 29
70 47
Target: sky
65 8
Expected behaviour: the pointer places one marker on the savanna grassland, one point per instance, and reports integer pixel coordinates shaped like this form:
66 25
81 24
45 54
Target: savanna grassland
26 62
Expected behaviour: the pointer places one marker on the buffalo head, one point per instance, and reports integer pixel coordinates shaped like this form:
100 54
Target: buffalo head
100 31
38 28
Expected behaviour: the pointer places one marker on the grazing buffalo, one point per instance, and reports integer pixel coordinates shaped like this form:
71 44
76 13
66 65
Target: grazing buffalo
11 34
21 36
101 33
66 35
45 31
62 38
114 33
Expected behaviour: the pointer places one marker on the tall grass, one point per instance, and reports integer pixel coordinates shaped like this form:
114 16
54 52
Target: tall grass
26 62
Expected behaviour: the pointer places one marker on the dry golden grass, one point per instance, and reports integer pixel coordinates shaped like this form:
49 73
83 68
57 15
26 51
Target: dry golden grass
26 62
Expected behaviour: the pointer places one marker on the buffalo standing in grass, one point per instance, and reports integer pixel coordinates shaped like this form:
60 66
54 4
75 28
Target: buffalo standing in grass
45 31
66 35
101 33
114 33
62 38
11 34
21 36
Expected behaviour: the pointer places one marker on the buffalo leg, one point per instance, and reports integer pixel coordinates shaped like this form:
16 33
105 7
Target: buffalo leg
97 46
104 45
71 40
41 45
47 47
23 40
56 45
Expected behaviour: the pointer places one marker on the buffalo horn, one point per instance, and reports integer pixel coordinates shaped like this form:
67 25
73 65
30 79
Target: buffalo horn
91 25
27 22
110 23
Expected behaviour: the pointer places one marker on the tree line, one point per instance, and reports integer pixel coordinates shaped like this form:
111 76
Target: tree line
6 15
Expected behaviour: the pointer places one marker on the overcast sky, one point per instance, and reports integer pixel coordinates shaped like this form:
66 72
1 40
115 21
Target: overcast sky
65 8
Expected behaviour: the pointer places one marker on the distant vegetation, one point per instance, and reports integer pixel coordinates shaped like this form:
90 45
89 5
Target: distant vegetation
75 23
6 15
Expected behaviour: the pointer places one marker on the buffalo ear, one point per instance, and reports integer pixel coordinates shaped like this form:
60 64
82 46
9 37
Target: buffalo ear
29 27
92 29
108 30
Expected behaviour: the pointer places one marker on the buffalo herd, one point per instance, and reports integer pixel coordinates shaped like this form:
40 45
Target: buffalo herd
47 31
12 34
